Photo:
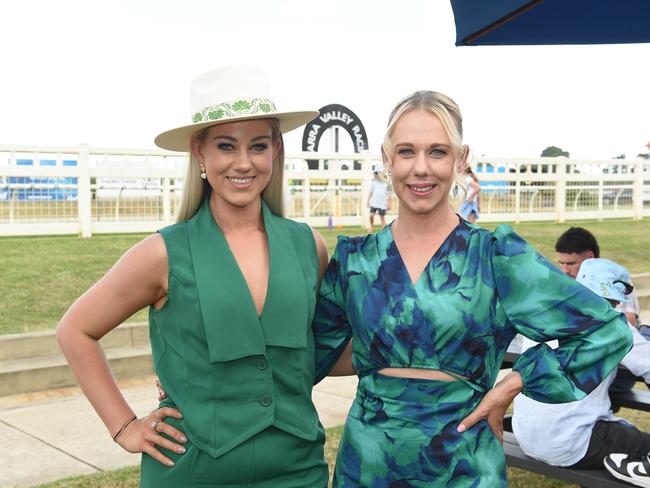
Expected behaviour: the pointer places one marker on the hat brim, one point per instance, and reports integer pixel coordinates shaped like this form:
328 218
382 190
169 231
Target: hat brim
178 139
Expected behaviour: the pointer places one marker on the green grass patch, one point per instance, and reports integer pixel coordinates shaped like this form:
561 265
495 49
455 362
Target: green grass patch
42 276
623 241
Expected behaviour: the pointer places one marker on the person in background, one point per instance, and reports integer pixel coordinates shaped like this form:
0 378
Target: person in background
231 290
574 246
581 433
577 244
470 208
379 197
431 303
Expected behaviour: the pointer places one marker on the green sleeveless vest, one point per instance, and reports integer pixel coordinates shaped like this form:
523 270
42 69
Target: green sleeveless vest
230 373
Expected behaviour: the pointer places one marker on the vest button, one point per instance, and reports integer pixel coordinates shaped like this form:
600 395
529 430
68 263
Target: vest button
266 400
261 364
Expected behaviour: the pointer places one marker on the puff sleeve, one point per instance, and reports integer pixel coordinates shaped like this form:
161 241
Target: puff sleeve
543 304
331 327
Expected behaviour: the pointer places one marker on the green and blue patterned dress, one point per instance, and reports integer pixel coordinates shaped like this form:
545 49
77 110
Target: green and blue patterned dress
478 291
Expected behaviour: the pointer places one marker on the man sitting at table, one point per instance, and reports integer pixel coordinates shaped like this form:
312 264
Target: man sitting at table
580 434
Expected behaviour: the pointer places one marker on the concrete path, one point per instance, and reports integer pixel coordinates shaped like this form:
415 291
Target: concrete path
55 434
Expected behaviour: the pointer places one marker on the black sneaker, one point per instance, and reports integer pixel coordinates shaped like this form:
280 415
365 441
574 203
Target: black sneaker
635 470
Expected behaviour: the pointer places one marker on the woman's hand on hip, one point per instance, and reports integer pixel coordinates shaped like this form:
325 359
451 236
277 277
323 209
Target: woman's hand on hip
161 392
494 405
144 435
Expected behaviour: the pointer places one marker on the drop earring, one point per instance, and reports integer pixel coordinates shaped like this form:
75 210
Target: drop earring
455 190
204 176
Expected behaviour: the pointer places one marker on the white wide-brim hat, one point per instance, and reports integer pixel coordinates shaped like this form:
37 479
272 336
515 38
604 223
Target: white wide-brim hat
230 94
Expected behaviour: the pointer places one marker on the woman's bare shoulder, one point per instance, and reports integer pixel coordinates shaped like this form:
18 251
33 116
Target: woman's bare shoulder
147 256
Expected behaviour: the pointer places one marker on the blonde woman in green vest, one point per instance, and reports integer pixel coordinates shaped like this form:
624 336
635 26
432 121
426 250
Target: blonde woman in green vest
231 290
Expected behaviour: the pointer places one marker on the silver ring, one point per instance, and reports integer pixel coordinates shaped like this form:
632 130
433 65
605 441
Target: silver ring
154 425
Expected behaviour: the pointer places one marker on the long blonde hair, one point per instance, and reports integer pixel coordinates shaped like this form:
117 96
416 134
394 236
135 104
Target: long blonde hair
195 189
447 112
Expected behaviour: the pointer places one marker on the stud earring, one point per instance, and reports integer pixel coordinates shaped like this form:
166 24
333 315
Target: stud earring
204 176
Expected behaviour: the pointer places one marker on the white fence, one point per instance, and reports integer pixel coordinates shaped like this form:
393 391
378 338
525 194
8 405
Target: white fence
83 190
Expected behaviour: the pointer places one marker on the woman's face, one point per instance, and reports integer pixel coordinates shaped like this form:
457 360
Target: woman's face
422 163
238 159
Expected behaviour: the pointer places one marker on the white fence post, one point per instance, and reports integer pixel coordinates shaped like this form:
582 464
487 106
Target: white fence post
637 190
600 200
560 192
517 196
332 193
366 168
306 195
84 197
166 199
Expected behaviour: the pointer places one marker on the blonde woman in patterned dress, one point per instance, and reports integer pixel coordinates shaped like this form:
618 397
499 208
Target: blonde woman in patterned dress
432 303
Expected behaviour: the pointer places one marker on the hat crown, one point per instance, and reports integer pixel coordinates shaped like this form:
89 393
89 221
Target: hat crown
227 85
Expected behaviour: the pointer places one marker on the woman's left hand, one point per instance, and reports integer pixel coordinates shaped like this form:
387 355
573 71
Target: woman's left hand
494 405
144 435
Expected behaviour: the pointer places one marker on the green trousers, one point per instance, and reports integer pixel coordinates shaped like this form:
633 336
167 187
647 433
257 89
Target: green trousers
270 459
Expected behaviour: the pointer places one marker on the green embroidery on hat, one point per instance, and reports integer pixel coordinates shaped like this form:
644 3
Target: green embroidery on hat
216 114
240 105
238 108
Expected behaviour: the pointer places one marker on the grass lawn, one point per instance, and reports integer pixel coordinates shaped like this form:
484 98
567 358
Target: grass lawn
42 276
129 477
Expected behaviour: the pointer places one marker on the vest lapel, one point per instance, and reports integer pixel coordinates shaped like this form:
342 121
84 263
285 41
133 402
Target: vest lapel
230 321
285 318
232 328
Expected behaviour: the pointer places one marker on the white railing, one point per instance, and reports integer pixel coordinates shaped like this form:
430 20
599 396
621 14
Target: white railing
83 190
563 189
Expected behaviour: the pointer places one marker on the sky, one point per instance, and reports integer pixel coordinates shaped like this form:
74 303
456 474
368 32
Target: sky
116 73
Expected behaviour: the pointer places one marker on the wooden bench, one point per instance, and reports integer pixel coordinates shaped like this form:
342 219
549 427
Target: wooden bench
634 399
591 478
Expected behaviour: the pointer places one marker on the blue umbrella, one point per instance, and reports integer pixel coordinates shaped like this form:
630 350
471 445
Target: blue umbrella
507 22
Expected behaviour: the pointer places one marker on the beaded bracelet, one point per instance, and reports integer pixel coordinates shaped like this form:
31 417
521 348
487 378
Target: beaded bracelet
124 427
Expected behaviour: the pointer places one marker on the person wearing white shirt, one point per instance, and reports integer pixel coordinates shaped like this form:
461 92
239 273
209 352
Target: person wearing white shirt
378 199
580 434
